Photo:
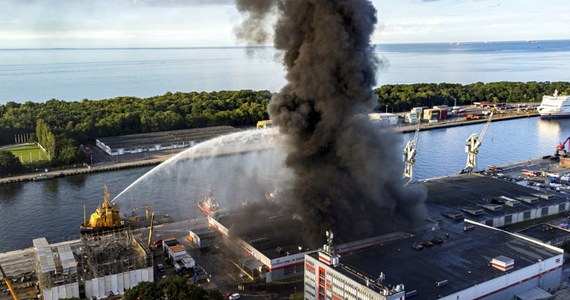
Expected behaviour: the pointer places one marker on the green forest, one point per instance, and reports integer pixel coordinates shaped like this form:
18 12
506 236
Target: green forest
63 125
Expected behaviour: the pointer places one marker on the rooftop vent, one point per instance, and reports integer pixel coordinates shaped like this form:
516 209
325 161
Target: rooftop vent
417 246
437 240
544 196
468 228
492 207
510 201
503 263
441 283
453 215
497 201
473 211
528 199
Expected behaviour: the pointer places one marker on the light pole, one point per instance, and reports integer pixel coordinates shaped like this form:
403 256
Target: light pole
386 108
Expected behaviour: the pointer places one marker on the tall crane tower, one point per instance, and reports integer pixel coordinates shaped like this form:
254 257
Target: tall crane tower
410 155
472 147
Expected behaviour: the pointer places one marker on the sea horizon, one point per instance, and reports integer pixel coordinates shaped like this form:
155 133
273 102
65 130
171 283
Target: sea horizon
271 46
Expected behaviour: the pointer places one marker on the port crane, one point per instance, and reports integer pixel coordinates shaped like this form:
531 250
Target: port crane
9 284
472 147
562 147
146 208
150 231
410 155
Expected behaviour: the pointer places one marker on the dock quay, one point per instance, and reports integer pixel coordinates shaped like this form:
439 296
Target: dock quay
461 122
82 170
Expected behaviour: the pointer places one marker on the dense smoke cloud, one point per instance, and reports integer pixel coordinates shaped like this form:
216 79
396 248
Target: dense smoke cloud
347 173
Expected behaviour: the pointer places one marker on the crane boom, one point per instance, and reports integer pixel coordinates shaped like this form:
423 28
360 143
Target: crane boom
485 128
410 154
150 230
472 147
9 284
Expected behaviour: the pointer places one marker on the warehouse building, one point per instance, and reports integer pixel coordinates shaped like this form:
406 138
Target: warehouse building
553 234
275 253
203 237
493 202
158 141
489 201
453 261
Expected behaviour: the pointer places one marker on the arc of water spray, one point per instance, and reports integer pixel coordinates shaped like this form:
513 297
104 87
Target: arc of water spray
233 143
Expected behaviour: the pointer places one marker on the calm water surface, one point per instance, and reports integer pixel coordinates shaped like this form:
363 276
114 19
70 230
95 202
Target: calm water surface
75 74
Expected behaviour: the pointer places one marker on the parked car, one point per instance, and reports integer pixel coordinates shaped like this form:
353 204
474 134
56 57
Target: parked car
234 296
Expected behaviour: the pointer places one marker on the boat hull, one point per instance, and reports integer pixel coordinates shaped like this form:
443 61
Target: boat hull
88 230
554 115
205 209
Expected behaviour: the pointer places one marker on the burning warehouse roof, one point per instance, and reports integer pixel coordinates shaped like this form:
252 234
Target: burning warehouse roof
271 229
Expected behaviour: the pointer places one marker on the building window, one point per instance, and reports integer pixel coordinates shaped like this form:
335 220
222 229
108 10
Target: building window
508 219
544 211
562 207
526 215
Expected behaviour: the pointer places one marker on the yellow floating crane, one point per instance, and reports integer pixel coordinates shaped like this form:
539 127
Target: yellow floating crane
105 217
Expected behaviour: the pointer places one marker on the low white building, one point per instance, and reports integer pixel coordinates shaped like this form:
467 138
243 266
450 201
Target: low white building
383 118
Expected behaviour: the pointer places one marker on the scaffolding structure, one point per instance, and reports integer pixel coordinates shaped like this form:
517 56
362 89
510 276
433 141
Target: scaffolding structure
114 253
98 265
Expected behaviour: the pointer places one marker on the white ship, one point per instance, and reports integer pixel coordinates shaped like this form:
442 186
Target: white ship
554 106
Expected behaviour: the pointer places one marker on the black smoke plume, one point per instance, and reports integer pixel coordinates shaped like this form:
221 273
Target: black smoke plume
347 172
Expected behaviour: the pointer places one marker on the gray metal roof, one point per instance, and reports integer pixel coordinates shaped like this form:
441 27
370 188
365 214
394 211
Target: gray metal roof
148 140
462 193
463 259
547 233
205 232
68 262
45 255
274 238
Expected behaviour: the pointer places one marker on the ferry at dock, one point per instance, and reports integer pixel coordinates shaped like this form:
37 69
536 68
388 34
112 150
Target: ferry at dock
555 106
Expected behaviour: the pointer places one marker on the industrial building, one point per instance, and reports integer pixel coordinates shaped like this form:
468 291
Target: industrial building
275 253
490 201
555 235
493 202
157 141
383 118
450 261
92 267
203 237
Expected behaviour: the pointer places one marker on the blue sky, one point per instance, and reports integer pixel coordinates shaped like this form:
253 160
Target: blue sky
203 23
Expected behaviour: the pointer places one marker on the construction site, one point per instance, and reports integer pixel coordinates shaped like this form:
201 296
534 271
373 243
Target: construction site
100 266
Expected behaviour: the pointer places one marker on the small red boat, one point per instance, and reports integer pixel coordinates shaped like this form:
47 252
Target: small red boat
271 196
209 205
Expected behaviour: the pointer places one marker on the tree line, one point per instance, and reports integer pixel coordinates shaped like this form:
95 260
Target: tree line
402 97
75 122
